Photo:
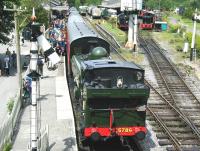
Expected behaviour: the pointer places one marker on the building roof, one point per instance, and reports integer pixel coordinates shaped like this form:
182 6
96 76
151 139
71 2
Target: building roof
111 3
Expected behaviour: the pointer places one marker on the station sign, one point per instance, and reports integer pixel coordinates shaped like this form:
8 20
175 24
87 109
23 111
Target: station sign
131 5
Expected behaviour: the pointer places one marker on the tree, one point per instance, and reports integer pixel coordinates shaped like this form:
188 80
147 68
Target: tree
40 12
6 20
77 3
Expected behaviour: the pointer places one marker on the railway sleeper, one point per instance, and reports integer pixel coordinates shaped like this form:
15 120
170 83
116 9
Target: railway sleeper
175 123
158 108
191 110
189 106
179 136
174 129
166 118
164 142
187 148
169 124
161 114
157 104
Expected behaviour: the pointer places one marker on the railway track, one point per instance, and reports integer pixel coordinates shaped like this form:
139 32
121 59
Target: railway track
117 144
185 133
176 128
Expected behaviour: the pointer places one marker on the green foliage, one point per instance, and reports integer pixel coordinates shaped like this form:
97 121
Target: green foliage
116 32
172 4
6 20
173 28
163 4
77 3
179 48
113 21
7 146
10 105
91 2
40 12
188 12
71 2
189 37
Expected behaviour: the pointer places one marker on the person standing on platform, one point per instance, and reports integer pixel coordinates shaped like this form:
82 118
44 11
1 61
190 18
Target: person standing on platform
14 61
6 65
8 53
40 66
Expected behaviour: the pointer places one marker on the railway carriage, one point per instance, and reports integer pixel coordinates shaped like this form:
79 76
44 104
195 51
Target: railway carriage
83 10
96 13
111 95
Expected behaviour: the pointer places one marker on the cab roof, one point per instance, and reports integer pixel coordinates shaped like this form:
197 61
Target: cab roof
97 64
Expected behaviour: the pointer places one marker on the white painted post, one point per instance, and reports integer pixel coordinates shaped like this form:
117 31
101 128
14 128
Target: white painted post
193 49
34 117
129 43
135 32
33 68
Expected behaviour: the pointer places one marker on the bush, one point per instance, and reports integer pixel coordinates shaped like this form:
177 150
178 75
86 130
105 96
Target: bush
179 48
189 37
113 21
173 28
10 105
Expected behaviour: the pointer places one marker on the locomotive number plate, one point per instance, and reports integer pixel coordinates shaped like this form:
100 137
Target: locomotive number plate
124 130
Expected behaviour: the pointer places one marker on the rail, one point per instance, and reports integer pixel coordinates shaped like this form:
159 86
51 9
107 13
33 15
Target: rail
186 119
176 143
175 71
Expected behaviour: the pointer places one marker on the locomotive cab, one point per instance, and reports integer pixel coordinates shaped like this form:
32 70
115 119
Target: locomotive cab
113 94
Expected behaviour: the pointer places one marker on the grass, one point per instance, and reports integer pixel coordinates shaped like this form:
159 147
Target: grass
10 105
184 21
7 146
172 41
132 56
120 35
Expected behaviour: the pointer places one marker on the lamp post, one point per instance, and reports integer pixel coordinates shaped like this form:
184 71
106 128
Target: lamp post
17 40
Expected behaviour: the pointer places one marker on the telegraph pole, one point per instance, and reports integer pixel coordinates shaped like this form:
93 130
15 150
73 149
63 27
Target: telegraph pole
17 40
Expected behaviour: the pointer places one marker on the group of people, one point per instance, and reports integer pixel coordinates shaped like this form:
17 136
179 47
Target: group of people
9 61
57 36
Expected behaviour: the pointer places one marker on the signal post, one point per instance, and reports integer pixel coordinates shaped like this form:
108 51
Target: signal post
131 9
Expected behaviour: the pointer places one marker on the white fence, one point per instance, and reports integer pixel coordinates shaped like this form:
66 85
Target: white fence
7 129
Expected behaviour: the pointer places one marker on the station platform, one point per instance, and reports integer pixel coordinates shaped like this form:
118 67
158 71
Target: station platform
55 113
